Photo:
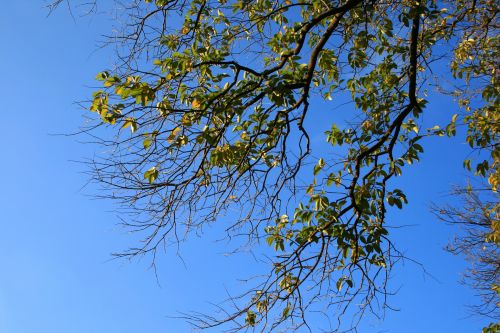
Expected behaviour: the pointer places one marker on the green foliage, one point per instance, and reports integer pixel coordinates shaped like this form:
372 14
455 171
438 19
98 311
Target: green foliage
222 113
151 175
492 328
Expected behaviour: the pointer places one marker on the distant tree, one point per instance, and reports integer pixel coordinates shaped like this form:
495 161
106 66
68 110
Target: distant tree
207 109
477 214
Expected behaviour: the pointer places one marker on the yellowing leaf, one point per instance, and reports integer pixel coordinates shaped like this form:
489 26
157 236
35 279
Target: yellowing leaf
196 104
176 130
173 134
130 122
151 175
186 121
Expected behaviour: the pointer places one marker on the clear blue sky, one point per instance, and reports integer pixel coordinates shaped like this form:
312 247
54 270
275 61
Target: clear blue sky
55 241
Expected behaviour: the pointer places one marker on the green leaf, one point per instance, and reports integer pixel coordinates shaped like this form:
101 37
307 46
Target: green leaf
151 175
340 283
102 76
319 166
250 318
467 165
130 122
286 312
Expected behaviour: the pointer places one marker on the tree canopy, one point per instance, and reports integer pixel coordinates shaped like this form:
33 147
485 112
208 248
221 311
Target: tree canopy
207 107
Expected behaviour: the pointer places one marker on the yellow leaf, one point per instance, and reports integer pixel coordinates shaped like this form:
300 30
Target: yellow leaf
172 135
176 130
130 122
196 104
186 121
151 175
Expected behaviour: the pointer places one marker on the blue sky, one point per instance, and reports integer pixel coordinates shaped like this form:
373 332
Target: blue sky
55 242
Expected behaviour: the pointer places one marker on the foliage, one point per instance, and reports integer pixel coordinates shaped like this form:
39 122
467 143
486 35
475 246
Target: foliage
209 106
